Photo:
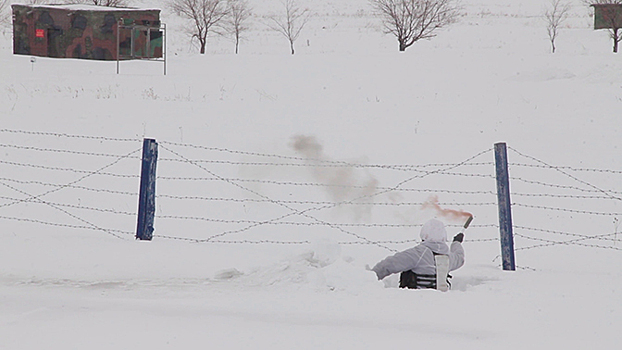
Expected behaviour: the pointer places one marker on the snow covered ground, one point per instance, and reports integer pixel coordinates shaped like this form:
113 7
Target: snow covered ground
73 277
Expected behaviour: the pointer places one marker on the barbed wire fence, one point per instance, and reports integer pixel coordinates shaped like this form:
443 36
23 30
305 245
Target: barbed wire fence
581 212
58 186
222 196
353 195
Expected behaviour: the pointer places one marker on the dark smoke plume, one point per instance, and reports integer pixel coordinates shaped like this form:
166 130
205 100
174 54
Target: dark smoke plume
340 179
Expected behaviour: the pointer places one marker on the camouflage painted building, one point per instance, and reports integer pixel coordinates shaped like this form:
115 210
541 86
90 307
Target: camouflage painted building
86 31
607 16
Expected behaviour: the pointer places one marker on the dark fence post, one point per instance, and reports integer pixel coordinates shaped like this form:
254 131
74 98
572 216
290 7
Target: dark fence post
505 207
146 200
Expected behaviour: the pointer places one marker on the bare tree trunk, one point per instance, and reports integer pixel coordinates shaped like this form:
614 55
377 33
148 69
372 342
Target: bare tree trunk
291 46
202 42
552 45
616 39
404 43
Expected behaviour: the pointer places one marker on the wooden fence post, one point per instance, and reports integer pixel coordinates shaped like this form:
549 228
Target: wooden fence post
146 199
505 207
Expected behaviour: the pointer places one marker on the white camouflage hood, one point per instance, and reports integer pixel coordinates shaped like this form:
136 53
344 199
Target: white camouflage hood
433 231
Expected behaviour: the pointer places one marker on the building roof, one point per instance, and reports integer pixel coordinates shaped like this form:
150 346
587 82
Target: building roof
86 7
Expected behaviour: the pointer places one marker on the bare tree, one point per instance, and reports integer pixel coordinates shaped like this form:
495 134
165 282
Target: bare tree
555 14
236 22
204 15
292 23
611 11
413 20
5 7
108 3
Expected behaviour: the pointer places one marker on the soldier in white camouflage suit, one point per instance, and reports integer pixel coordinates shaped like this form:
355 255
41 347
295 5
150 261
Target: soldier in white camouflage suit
417 265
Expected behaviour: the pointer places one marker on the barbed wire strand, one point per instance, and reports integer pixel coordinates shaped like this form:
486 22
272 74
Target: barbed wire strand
294 183
551 195
81 227
542 207
82 207
48 184
322 164
255 154
569 242
402 189
287 223
267 241
565 187
71 170
315 184
54 150
567 174
565 233
254 200
317 161
101 138
595 170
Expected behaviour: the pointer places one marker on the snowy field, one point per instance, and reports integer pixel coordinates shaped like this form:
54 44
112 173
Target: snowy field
234 264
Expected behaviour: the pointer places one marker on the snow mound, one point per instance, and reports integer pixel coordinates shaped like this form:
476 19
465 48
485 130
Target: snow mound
321 267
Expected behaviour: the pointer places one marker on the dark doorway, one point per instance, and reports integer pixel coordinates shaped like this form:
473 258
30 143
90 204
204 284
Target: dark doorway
54 35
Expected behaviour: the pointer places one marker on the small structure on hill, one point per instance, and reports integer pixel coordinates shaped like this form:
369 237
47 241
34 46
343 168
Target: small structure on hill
88 32
609 16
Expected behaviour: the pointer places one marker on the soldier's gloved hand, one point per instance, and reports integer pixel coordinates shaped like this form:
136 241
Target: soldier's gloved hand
459 237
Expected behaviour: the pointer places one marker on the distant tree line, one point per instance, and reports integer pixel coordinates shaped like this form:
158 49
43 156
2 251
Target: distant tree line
231 17
408 20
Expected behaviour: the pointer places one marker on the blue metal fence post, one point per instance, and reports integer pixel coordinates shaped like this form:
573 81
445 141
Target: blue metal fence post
505 207
146 199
